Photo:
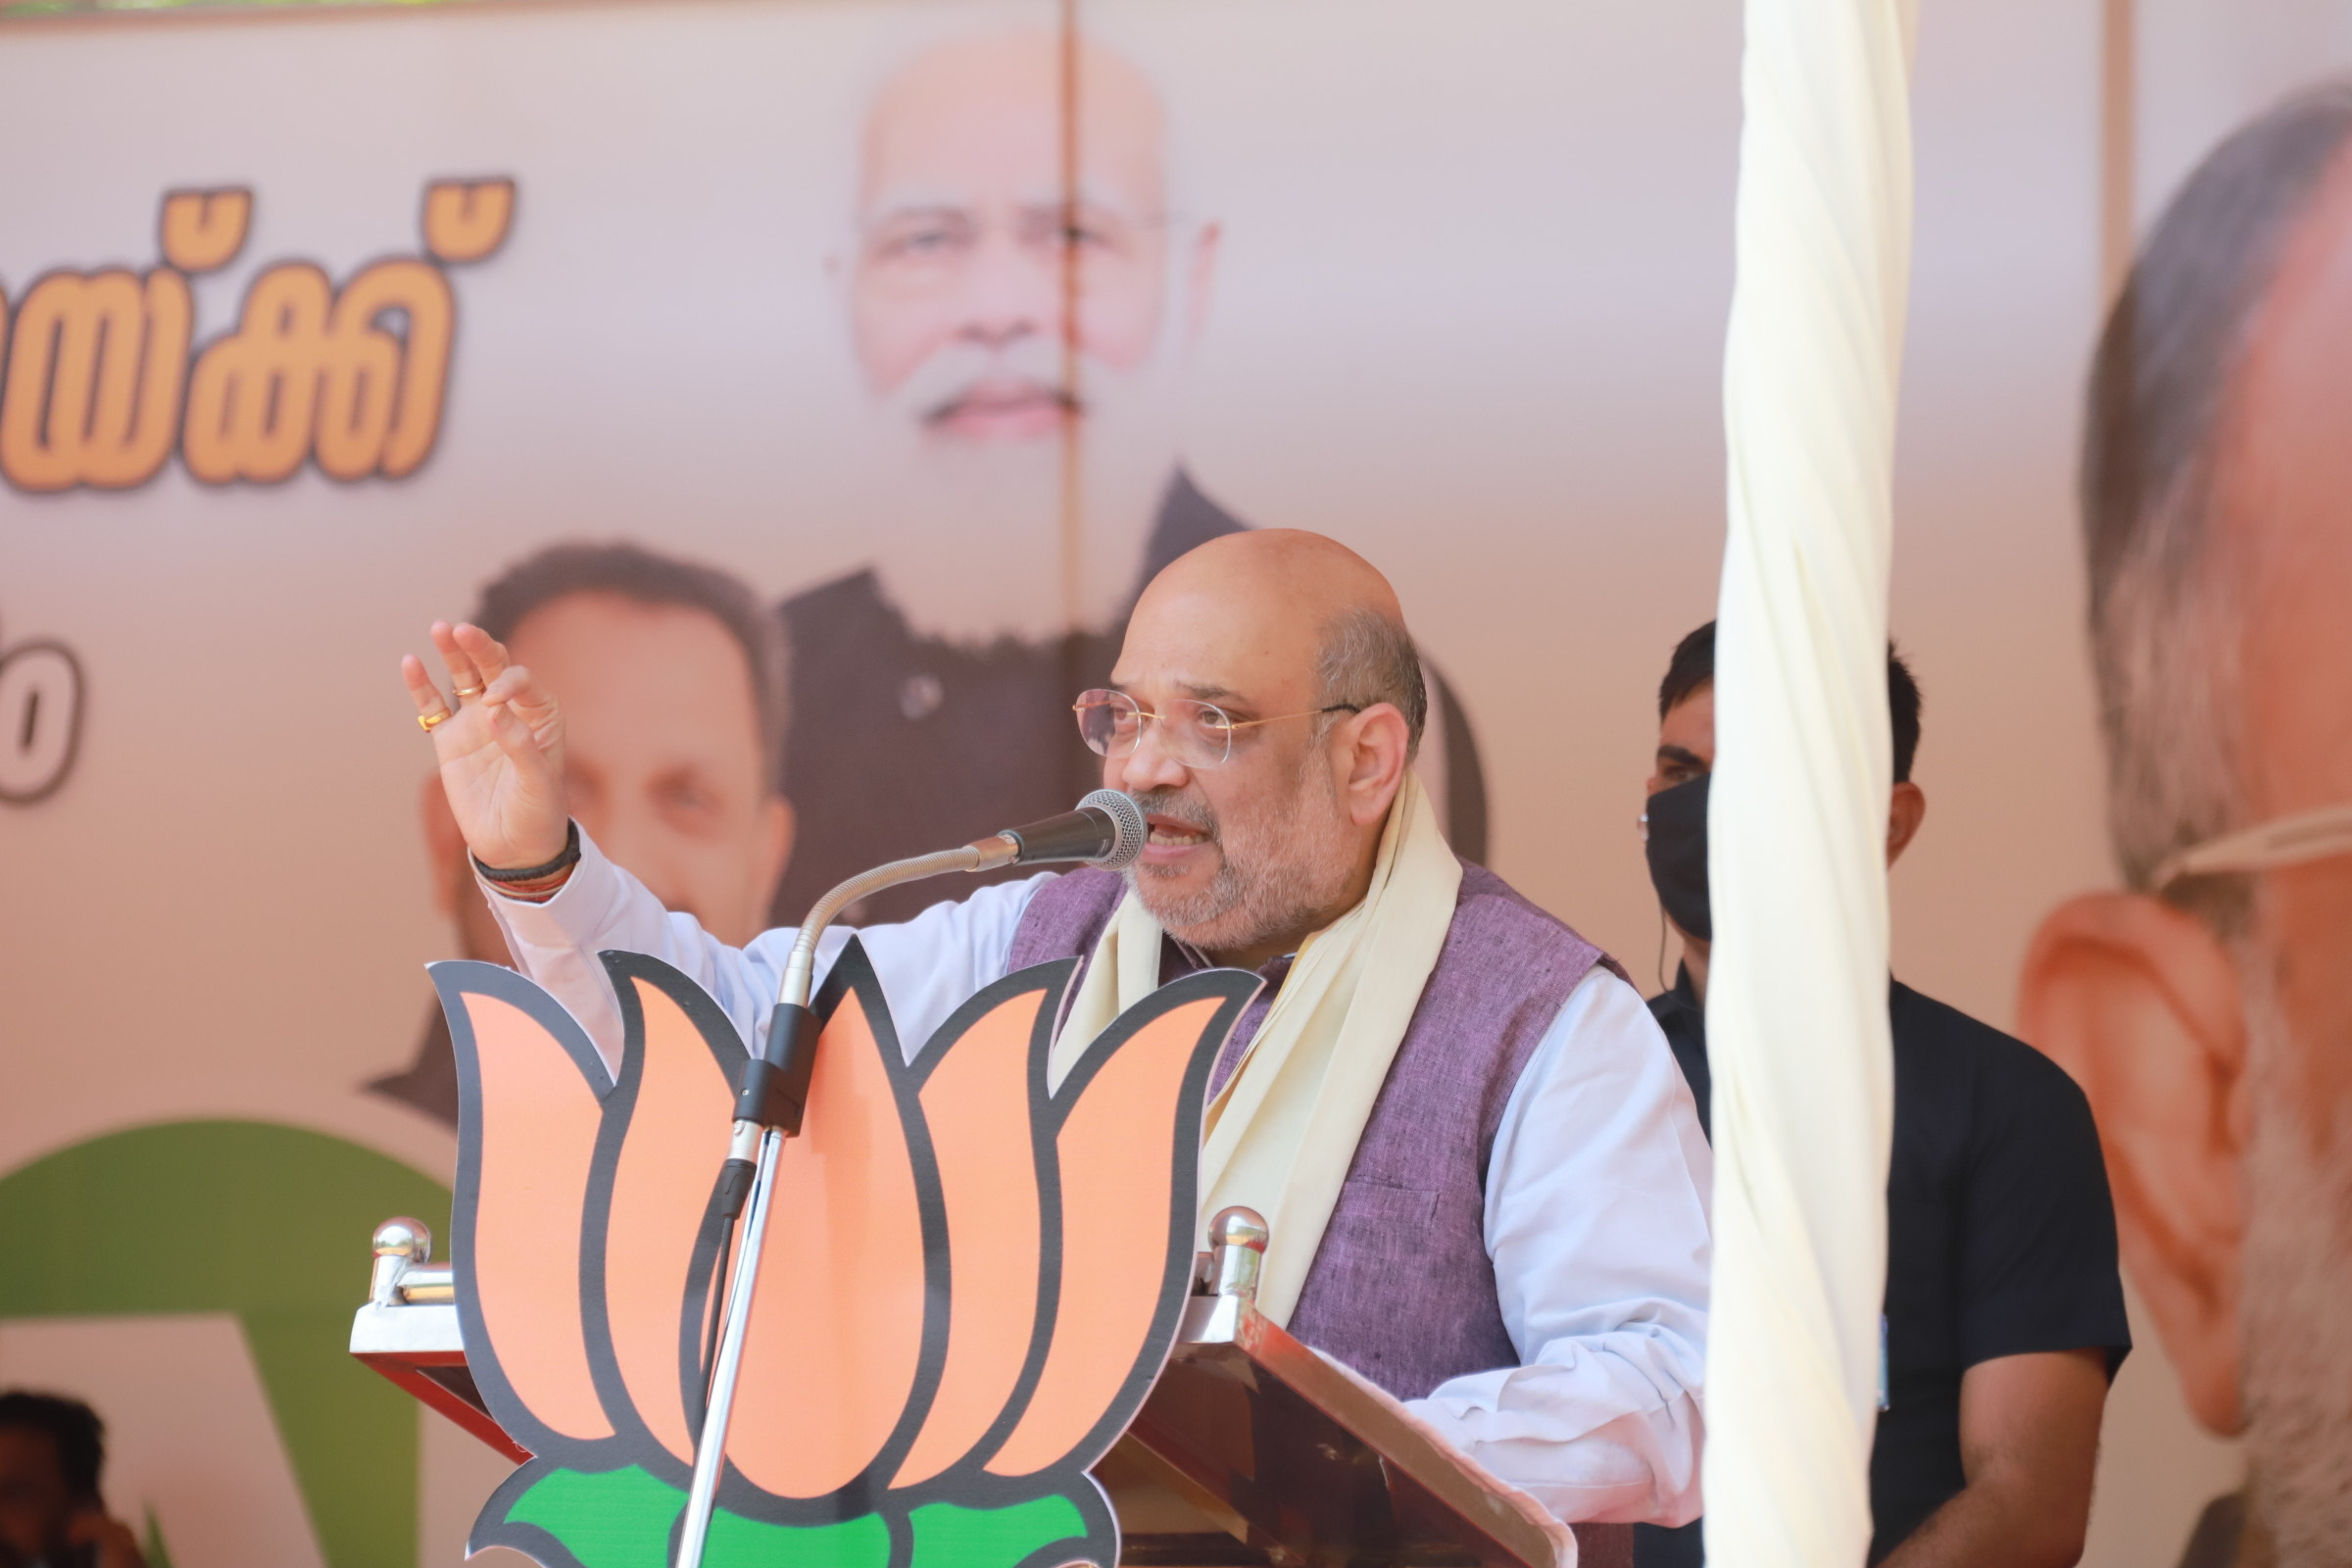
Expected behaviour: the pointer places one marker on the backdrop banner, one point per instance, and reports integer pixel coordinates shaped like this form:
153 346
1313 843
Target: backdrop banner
806 389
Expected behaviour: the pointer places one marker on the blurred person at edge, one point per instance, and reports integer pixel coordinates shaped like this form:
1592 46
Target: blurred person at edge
52 1453
1484 1177
1026 359
2005 1318
2206 1008
672 676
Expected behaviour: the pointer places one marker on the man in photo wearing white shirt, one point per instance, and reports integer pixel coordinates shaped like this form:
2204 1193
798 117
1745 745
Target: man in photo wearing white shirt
1485 1178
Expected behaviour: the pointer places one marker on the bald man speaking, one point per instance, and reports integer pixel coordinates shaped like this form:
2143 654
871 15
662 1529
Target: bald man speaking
1484 1179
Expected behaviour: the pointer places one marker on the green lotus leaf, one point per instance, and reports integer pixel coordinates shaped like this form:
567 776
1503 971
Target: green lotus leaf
947 1535
624 1519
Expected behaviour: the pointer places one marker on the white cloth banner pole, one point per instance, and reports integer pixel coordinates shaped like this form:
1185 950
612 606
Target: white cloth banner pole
1797 994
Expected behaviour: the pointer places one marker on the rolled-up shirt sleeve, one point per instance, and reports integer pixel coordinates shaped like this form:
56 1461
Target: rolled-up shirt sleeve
927 965
1597 1222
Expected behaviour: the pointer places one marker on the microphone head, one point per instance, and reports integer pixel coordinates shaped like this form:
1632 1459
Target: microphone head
1128 830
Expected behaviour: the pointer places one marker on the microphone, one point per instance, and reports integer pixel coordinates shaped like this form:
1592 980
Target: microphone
1106 829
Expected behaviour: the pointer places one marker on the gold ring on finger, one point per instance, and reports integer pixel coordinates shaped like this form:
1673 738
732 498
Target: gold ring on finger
464 692
427 721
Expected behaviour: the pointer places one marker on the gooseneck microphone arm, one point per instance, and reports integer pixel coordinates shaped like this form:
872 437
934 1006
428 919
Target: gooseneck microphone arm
983 854
1107 830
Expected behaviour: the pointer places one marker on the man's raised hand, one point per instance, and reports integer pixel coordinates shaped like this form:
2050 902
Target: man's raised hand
501 746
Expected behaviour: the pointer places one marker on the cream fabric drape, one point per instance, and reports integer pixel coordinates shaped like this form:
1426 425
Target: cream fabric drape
1797 995
1280 1136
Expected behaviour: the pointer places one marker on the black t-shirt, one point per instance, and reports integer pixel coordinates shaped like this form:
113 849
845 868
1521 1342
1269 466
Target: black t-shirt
2000 1238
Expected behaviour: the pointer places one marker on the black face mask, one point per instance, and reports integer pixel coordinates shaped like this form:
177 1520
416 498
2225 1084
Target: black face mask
1677 848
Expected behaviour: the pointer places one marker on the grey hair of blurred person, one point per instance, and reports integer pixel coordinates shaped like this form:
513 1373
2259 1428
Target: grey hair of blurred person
2162 607
2165 610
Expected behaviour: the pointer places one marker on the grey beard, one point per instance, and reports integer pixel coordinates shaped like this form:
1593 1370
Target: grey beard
2295 1332
1288 869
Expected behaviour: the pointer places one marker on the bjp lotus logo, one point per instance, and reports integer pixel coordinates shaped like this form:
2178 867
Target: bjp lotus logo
970 1281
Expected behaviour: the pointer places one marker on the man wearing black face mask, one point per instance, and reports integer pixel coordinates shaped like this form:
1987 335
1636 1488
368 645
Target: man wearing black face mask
2004 1316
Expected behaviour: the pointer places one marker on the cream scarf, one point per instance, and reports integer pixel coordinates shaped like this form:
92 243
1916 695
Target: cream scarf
1282 1134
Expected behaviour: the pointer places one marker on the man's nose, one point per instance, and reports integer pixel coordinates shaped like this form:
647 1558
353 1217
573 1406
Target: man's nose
1150 766
1010 292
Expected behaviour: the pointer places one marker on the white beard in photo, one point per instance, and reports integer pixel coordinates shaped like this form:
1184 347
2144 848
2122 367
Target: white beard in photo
968 534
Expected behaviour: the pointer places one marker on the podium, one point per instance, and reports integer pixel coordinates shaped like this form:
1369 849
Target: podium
1251 1448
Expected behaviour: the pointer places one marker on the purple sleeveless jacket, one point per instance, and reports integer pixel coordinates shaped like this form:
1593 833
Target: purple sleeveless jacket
1402 1288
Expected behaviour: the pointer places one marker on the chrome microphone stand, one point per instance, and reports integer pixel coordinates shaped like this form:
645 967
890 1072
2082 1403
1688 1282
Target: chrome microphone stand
774 1094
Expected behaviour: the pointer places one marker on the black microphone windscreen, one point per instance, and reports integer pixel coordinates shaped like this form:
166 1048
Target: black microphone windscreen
1105 830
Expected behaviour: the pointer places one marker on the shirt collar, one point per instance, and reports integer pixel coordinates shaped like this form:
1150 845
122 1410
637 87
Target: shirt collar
1185 958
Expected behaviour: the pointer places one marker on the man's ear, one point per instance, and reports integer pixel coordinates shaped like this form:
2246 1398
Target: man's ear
2142 1006
1369 755
443 845
1906 809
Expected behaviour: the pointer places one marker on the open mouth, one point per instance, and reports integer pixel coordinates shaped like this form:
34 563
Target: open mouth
1171 838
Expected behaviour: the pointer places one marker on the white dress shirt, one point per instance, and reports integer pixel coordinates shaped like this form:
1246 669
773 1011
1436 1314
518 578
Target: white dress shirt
1595 1193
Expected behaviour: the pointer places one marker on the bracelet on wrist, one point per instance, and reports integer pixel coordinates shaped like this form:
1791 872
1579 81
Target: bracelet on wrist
536 890
516 878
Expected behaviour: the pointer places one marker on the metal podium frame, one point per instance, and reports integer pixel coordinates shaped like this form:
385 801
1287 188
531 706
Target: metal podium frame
1251 1449
409 1332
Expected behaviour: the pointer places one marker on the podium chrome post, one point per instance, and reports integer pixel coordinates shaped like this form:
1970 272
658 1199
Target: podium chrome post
1238 1239
710 1449
769 1133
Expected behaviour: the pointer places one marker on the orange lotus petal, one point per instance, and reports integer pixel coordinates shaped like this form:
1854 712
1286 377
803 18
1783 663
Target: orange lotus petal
1117 1162
976 1104
536 1107
836 1331
676 1138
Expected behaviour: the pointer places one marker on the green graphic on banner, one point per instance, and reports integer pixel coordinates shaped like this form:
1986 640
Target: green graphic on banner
151 1545
269 1224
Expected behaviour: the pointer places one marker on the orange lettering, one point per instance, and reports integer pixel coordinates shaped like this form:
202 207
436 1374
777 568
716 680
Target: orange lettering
404 411
204 229
253 401
96 387
465 219
94 375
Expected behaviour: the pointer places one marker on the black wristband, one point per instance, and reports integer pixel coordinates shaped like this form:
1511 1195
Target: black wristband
565 860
